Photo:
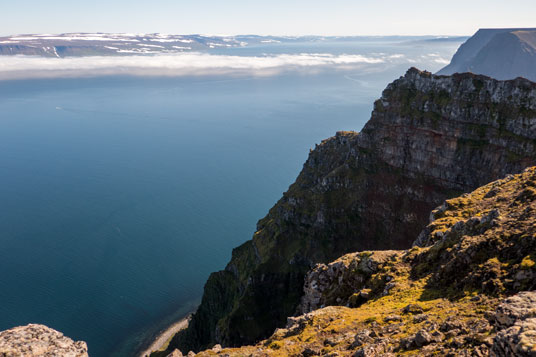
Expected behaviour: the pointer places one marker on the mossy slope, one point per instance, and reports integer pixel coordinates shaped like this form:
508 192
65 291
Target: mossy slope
425 301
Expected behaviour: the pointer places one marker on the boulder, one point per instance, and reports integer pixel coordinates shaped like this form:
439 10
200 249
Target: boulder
39 340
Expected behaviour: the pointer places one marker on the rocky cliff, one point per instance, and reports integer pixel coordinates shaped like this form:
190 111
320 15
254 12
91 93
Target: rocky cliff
429 138
466 292
499 53
39 340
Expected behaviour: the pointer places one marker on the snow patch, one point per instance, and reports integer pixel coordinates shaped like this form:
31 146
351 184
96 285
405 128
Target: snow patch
147 45
162 40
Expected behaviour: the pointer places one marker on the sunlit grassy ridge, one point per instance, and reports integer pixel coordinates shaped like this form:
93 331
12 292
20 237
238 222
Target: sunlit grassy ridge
431 300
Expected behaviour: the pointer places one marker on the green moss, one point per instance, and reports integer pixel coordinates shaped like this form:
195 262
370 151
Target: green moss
471 143
159 354
478 83
276 345
371 319
527 262
480 130
528 194
443 98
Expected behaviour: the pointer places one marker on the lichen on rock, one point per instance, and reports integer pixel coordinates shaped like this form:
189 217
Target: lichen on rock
516 321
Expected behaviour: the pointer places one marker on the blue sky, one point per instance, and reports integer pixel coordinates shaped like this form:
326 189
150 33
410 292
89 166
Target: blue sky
277 17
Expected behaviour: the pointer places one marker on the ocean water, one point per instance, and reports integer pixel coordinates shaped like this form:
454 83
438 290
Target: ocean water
119 195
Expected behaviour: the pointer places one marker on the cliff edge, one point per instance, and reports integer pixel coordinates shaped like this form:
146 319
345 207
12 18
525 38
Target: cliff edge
429 138
467 292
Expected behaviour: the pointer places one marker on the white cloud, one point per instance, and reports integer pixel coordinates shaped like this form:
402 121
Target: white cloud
17 67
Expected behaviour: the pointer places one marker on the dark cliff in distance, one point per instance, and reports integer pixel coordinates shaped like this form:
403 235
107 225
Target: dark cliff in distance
429 138
498 53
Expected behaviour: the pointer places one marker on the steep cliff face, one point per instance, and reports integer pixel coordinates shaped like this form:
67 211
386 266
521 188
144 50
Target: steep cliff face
429 138
464 294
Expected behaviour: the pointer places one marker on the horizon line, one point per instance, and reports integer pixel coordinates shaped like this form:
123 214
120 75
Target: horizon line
243 34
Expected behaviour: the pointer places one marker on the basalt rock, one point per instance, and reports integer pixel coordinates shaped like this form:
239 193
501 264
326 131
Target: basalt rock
429 138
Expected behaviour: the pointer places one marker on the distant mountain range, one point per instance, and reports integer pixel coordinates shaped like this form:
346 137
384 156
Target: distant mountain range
108 44
498 53
88 44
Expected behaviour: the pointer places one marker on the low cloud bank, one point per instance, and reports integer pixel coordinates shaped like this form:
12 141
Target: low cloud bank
20 67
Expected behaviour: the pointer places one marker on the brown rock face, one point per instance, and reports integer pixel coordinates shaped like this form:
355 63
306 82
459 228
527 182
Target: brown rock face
429 138
39 340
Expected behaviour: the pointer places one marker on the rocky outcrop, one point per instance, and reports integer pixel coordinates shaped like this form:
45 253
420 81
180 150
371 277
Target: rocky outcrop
39 340
516 320
516 308
175 353
463 295
429 138
518 340
343 281
498 53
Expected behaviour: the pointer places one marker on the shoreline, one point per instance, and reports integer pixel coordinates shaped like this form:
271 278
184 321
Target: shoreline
165 335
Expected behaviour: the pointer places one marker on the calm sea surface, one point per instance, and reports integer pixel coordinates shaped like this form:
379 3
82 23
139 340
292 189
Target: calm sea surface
119 195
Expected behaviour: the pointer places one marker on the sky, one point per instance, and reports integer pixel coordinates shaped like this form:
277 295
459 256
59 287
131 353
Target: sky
274 17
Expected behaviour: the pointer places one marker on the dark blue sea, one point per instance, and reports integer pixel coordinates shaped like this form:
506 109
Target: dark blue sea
119 195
